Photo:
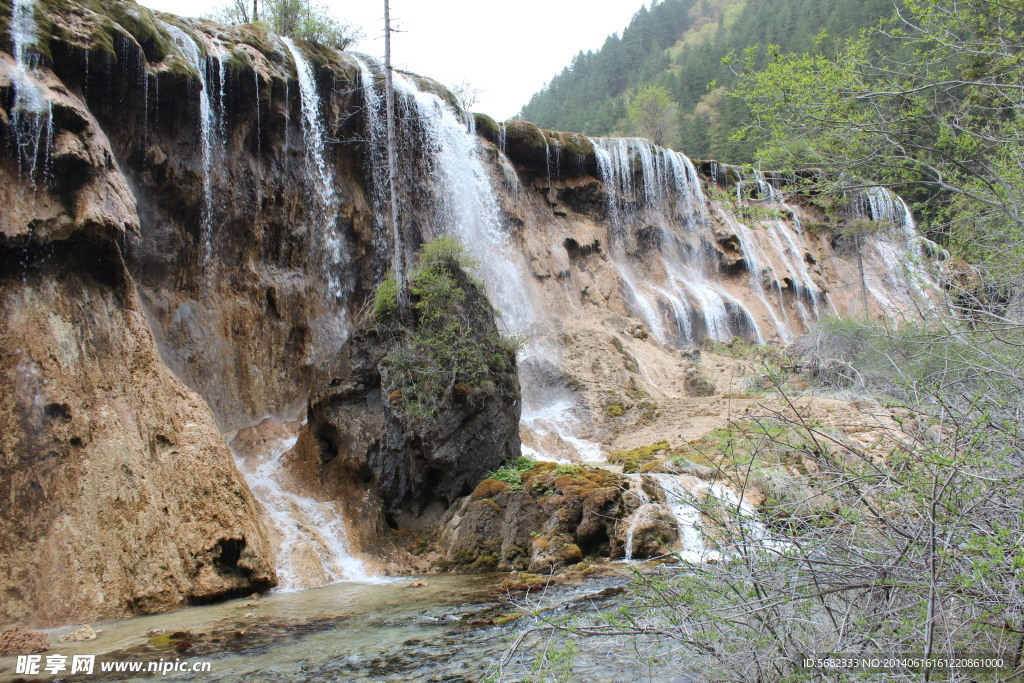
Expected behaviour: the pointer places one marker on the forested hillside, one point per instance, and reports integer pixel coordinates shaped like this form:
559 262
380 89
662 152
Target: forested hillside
677 47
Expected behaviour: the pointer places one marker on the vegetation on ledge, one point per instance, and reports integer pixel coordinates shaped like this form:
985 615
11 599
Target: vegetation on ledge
449 343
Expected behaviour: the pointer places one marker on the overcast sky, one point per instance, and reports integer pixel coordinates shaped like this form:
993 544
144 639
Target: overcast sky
508 49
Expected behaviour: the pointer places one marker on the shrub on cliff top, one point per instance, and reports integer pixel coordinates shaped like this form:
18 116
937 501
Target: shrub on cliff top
449 342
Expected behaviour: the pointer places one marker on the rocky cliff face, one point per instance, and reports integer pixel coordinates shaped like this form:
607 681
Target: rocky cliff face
192 219
119 495
377 417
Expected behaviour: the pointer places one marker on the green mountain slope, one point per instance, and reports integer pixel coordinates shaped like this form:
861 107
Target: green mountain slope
678 45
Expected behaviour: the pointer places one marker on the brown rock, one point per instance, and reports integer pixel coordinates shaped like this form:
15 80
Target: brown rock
16 641
79 634
120 494
558 516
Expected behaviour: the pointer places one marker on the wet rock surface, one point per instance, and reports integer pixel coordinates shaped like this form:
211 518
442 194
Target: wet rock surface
553 517
361 428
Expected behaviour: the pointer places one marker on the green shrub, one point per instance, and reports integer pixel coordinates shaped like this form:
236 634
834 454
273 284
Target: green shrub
385 297
446 342
509 475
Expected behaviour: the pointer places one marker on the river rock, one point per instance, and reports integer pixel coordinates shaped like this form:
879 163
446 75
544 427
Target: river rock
556 516
16 641
86 632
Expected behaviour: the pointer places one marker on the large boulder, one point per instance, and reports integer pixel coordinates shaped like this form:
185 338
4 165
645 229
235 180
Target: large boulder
542 517
418 410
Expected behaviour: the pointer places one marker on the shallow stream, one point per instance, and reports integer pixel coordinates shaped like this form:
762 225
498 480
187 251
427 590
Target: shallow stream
453 628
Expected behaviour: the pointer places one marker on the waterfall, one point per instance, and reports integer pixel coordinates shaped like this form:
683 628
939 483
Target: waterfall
259 128
376 154
897 243
222 88
757 263
466 206
312 547
782 236
323 175
32 111
688 305
28 95
637 489
680 501
740 518
189 48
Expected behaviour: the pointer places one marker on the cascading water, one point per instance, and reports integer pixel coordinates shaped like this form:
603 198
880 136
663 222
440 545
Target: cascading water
783 237
259 127
189 48
376 155
312 547
636 489
744 527
689 306
897 243
32 113
322 174
680 503
466 206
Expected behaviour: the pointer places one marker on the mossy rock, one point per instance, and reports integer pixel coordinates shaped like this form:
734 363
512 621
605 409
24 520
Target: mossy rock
316 54
726 176
141 24
489 488
486 127
575 143
256 37
634 459
167 640
570 553
483 564
522 583
525 143
239 60
700 386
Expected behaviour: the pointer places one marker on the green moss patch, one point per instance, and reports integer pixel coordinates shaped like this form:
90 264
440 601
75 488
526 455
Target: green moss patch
633 460
486 127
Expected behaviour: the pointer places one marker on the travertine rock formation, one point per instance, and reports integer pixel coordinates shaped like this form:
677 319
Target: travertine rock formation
119 494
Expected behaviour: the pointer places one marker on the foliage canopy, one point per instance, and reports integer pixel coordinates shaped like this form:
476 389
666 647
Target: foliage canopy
936 116
312 21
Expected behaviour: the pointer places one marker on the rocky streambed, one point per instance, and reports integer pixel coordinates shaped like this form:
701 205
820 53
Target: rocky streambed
437 628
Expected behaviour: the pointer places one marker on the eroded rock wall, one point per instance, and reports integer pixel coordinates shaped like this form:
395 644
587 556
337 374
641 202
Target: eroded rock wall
119 495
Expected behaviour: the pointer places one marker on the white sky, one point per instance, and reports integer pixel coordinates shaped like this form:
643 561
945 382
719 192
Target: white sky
508 49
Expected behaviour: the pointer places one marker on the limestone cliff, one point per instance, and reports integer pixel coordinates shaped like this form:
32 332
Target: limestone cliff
119 495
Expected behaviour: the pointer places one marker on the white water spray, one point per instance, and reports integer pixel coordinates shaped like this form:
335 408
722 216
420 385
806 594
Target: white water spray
322 174
312 545
189 48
